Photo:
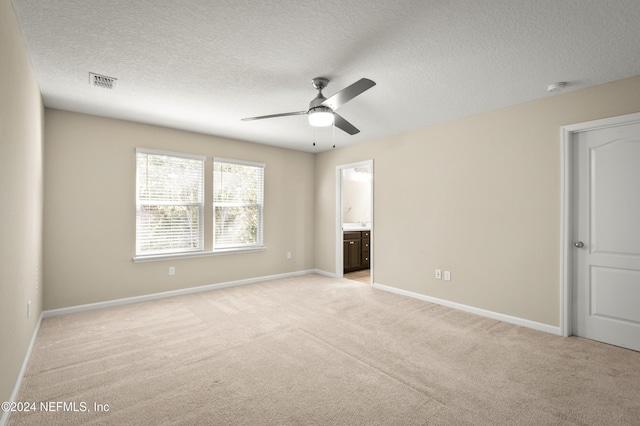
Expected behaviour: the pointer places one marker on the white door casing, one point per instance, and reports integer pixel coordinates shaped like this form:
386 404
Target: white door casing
601 244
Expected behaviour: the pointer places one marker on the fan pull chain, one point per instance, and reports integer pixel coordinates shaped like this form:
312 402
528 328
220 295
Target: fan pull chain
334 133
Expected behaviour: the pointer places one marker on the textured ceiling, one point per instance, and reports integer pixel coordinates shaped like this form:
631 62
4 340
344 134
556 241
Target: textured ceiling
202 65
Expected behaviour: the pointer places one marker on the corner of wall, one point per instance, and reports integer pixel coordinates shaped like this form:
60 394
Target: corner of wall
21 218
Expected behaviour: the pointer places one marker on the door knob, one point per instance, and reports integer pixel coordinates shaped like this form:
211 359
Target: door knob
579 244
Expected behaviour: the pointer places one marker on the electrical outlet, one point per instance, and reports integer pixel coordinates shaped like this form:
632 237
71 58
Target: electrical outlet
288 255
28 308
438 274
172 270
447 275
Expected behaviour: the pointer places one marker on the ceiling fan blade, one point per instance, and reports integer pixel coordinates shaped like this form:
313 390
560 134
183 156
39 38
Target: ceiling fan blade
284 114
344 125
345 95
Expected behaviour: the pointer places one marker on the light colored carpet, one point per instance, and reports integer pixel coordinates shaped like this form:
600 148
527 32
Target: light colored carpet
315 350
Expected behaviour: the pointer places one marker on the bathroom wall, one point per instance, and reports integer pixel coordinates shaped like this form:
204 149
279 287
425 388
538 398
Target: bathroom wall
356 197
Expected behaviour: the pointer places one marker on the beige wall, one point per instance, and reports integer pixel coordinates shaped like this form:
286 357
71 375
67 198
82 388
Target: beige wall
479 196
21 200
89 215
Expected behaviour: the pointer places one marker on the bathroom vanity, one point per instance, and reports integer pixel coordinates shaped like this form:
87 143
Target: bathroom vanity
356 249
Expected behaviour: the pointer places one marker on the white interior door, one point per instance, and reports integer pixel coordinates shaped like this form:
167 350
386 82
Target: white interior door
606 231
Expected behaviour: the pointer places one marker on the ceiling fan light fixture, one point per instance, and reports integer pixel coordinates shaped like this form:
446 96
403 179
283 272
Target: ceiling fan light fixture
321 117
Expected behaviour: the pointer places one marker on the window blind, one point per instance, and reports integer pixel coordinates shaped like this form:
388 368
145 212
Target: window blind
238 201
169 202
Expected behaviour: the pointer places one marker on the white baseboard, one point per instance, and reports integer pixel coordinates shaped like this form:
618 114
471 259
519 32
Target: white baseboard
147 297
324 273
4 420
489 314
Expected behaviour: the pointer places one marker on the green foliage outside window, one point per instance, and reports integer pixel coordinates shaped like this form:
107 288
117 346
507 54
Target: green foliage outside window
237 200
169 203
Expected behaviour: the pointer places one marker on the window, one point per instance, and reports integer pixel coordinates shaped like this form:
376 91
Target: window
238 191
169 202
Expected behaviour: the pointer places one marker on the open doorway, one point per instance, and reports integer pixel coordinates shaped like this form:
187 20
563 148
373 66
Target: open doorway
354 221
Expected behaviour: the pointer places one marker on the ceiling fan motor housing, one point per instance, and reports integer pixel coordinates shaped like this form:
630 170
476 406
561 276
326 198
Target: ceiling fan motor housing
316 103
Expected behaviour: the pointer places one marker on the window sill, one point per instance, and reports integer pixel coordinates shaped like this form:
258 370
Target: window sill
219 252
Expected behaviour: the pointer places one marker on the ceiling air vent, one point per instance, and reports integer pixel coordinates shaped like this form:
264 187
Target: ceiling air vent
102 81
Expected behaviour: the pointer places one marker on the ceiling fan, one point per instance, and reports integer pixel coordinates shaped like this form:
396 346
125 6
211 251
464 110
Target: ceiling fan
321 110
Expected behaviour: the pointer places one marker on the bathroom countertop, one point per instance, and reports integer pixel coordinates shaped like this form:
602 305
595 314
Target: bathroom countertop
356 227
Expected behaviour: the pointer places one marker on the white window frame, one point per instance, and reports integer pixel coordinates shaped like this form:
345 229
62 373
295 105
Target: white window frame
200 205
259 244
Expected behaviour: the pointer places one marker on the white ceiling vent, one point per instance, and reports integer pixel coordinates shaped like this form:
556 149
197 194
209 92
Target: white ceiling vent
102 81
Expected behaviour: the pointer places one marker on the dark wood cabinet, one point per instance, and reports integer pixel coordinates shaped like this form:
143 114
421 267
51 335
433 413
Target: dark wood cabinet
356 250
366 242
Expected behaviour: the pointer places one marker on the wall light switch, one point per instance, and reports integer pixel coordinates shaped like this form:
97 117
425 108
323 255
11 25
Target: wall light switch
447 275
438 274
